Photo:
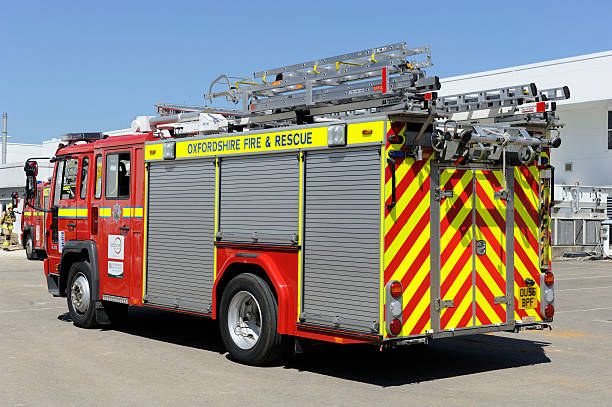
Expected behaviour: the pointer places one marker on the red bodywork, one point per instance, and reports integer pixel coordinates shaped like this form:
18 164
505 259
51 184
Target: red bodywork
84 216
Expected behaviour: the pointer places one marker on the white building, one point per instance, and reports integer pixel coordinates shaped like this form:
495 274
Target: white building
12 177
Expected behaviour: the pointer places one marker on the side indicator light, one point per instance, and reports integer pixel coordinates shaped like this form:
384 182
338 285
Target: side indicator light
549 278
395 289
366 132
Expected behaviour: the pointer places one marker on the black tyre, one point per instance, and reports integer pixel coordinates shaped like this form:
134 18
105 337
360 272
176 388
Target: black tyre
29 248
117 313
81 302
248 319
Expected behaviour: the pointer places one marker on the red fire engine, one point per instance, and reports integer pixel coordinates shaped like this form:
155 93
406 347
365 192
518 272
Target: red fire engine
33 223
346 202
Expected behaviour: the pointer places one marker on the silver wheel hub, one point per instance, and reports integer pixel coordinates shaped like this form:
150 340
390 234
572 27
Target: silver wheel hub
244 320
79 294
29 246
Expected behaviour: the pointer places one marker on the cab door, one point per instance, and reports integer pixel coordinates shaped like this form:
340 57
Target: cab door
82 200
64 199
115 213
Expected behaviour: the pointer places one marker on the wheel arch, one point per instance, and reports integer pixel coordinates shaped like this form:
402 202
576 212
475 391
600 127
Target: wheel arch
76 251
264 267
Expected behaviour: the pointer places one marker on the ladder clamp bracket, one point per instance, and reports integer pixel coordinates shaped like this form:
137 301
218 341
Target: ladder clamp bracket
440 194
439 304
505 299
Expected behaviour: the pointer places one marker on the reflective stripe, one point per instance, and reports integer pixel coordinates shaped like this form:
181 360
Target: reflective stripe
80 213
135 212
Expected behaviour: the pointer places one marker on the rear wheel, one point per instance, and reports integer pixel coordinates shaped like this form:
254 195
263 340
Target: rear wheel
80 296
29 248
248 321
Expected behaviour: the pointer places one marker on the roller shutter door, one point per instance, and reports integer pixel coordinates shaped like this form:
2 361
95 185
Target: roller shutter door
181 221
342 239
259 199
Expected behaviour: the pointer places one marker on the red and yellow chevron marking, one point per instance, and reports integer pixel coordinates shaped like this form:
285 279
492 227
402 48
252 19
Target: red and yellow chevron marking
456 235
407 237
526 235
490 267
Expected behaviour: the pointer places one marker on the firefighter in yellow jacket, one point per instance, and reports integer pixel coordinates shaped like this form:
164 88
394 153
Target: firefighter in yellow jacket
6 221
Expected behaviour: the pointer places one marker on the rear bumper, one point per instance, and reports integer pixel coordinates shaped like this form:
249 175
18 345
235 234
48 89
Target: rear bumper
511 327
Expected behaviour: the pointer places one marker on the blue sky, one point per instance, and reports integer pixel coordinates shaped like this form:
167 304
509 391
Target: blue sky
87 66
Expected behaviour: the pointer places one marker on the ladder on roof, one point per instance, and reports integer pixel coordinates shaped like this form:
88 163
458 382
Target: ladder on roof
380 73
509 96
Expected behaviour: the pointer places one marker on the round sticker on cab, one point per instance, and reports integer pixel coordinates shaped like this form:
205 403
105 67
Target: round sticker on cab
115 247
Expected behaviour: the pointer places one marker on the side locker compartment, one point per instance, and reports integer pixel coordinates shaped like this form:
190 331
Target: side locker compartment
180 220
341 269
259 200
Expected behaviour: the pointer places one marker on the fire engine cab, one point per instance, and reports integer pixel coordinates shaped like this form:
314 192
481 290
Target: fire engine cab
345 201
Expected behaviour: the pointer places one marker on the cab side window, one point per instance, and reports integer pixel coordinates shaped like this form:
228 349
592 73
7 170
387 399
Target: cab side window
118 172
84 172
98 187
69 183
59 176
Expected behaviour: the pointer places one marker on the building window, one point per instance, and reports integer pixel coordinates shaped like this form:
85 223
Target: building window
610 130
569 167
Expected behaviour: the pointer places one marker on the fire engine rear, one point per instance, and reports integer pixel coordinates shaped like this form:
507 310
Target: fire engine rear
346 201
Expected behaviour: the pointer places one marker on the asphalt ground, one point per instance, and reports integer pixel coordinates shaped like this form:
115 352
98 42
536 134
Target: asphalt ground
166 359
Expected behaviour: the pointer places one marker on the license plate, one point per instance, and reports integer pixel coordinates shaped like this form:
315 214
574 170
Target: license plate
527 297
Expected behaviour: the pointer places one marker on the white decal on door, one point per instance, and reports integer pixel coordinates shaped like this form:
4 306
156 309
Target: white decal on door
115 269
115 247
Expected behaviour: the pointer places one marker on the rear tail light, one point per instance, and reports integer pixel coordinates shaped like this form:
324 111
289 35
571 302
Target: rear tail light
395 289
549 311
395 327
549 278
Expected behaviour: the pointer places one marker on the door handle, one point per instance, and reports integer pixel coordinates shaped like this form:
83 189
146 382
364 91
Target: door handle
124 230
71 226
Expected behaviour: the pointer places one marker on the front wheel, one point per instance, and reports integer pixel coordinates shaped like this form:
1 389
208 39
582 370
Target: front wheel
29 248
248 321
81 304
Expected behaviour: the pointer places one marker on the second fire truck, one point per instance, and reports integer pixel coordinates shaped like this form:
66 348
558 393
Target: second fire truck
346 202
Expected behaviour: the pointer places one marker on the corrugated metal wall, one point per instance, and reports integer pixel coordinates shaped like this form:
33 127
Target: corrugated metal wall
342 238
259 198
181 220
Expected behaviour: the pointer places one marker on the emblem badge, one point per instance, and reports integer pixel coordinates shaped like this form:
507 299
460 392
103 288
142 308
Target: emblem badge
116 213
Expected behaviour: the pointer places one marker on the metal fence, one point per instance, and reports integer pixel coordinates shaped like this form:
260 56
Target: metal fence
575 232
